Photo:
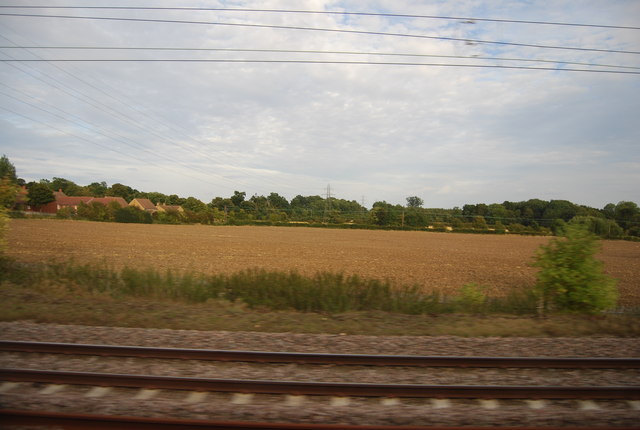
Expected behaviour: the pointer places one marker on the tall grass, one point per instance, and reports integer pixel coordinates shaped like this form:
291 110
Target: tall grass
276 290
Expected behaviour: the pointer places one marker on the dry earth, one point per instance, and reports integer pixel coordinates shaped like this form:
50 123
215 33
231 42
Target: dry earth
444 261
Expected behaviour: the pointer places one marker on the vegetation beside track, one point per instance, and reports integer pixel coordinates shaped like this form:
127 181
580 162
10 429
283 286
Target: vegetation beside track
255 301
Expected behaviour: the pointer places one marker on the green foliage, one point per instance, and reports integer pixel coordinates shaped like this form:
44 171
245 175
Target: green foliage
4 228
194 205
68 187
8 193
169 217
323 292
124 191
570 277
39 194
471 297
531 217
132 214
96 211
602 227
7 170
414 202
65 213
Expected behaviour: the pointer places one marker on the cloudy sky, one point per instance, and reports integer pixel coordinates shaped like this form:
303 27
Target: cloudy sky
449 134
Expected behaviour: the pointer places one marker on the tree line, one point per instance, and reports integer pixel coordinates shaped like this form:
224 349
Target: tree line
534 216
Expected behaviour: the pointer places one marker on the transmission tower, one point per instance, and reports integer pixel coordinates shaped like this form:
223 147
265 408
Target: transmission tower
327 203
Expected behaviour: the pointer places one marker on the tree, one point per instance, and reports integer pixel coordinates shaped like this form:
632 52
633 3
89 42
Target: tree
39 194
277 201
238 197
8 193
124 191
7 170
559 209
414 202
570 277
68 187
626 213
132 214
97 189
194 205
4 229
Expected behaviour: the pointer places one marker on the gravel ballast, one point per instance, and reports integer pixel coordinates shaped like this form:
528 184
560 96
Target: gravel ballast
319 409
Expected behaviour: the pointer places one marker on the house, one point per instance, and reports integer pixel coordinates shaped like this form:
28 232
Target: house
144 204
170 208
64 201
106 200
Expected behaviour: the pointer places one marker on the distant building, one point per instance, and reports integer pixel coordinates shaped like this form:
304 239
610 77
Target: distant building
170 208
64 201
144 204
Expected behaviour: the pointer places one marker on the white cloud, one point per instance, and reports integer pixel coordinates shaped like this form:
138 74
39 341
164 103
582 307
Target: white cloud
450 135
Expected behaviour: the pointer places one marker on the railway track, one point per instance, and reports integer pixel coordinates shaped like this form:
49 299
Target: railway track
74 421
307 358
295 394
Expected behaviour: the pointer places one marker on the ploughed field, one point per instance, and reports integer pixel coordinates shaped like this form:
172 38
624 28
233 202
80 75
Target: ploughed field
442 261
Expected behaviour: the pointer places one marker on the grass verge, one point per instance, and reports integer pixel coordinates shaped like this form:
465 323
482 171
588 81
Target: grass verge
256 300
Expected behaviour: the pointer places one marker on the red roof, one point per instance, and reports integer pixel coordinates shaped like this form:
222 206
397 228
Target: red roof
146 204
106 200
64 200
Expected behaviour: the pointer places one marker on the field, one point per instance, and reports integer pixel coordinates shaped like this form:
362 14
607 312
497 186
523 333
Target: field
442 261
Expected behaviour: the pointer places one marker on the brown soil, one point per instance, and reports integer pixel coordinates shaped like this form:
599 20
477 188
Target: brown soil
444 261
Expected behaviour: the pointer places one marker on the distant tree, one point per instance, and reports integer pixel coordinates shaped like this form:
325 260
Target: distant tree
8 170
97 189
124 191
559 209
193 204
237 198
385 214
277 201
602 227
4 229
498 212
39 194
609 211
132 214
627 214
570 278
414 217
414 202
8 193
68 187
175 200
220 203
155 197
479 223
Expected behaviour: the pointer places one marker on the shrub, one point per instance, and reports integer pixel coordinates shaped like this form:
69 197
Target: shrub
471 298
4 228
131 214
570 277
65 213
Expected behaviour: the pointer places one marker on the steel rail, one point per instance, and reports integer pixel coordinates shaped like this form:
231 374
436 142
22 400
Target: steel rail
108 422
311 358
320 388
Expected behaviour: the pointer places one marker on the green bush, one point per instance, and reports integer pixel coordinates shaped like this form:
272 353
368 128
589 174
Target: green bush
131 214
4 228
570 277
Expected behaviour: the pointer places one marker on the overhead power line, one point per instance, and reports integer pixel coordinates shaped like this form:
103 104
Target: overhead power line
297 51
464 20
75 92
375 63
331 30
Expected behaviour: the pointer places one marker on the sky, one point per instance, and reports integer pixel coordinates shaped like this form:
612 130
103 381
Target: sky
449 134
